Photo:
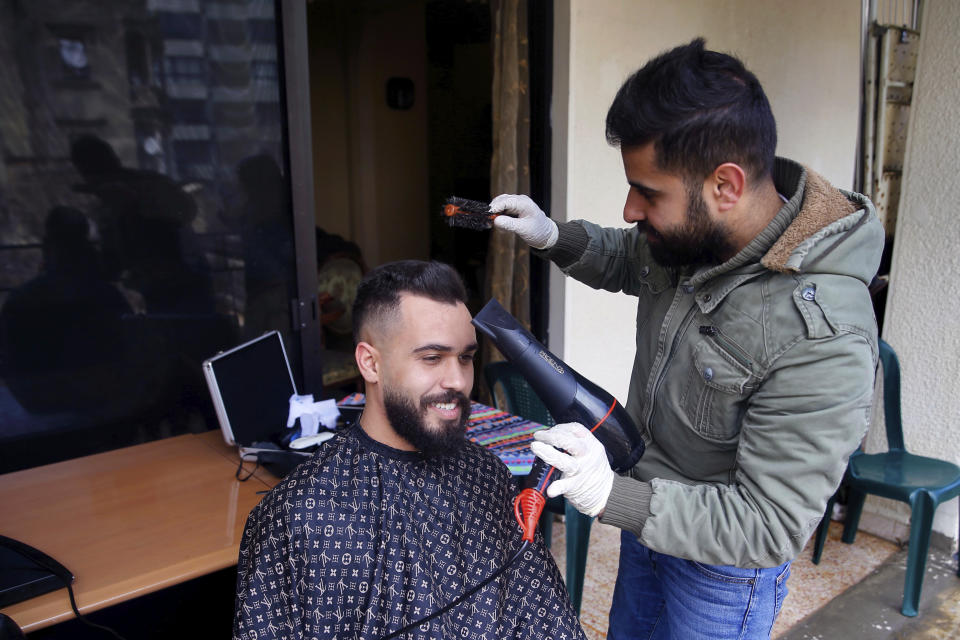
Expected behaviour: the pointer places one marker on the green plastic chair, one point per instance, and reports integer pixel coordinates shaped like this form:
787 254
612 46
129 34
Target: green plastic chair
521 400
923 483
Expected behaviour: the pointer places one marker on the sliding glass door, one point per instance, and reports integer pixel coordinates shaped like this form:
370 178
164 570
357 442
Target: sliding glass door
147 218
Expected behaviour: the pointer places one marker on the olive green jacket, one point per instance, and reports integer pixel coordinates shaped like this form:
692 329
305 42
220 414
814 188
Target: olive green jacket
753 379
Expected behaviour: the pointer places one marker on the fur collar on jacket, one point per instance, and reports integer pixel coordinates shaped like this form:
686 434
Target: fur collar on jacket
823 204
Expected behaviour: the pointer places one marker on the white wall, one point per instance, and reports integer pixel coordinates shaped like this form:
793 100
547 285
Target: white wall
926 261
806 55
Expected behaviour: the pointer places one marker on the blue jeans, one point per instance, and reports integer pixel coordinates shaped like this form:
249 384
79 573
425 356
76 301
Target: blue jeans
660 597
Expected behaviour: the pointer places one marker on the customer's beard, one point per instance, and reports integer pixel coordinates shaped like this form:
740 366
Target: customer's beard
408 421
698 241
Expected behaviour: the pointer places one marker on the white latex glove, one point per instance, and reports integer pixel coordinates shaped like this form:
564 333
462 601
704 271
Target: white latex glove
531 224
587 476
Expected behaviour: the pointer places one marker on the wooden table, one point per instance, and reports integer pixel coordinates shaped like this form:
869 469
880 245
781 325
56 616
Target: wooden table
130 521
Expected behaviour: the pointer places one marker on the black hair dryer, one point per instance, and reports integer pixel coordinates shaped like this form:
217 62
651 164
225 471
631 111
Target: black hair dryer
568 396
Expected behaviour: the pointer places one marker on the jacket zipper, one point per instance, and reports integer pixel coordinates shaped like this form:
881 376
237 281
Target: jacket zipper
727 345
663 370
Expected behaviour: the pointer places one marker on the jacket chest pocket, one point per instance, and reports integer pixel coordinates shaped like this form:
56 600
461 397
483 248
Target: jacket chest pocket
719 382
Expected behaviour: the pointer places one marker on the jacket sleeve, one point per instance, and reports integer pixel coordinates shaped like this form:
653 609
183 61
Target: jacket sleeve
800 427
606 258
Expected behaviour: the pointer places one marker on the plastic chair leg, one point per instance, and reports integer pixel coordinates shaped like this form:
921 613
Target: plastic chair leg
855 500
578 538
822 530
922 507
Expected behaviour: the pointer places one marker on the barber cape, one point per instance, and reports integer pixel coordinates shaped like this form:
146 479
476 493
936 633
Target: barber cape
363 539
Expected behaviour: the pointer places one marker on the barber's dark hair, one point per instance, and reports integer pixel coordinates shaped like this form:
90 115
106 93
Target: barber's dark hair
378 294
700 108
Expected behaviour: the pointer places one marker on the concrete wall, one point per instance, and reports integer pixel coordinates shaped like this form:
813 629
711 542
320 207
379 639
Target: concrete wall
926 261
806 56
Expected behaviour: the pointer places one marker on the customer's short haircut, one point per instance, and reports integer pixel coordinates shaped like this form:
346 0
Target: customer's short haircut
701 109
378 295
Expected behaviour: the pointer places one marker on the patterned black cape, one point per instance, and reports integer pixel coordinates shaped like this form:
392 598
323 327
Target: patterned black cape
363 539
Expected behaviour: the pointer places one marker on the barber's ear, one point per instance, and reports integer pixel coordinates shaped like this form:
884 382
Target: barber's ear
368 361
727 184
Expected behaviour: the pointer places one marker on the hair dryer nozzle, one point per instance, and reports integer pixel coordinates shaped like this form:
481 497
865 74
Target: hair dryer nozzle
509 335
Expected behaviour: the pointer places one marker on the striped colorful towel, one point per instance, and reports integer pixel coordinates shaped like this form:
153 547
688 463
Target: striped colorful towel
506 435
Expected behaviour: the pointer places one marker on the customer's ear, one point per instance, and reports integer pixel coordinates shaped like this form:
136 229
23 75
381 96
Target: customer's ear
368 361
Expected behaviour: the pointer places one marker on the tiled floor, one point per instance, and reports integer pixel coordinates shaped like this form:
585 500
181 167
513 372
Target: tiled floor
872 607
811 586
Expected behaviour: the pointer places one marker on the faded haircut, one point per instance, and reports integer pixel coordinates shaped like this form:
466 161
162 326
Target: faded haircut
701 109
378 295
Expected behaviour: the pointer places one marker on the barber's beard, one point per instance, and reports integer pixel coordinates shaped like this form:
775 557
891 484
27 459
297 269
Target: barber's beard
409 421
698 241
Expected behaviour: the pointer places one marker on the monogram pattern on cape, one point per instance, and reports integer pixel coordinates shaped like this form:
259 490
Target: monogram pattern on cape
363 539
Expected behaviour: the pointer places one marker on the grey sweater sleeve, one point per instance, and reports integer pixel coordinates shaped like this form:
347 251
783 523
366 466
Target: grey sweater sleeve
628 506
571 243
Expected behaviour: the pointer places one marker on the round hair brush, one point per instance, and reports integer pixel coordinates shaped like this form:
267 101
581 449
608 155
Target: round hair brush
469 214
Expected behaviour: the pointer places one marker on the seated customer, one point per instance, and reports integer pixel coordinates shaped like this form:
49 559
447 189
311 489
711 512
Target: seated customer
396 517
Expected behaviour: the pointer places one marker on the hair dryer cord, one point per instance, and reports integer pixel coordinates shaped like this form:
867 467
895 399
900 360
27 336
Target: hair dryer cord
414 625
527 507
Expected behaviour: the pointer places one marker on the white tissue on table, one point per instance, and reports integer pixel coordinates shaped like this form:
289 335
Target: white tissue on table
312 414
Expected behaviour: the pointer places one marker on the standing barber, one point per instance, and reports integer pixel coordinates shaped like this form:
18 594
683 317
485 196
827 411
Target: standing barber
756 348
